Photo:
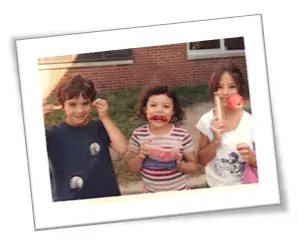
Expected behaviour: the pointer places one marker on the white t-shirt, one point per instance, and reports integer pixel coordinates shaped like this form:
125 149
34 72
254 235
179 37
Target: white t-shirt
227 168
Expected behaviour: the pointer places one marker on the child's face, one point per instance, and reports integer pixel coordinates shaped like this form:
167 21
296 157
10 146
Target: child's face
159 109
77 111
227 86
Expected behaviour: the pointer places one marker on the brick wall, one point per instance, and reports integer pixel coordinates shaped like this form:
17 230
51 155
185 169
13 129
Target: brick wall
152 65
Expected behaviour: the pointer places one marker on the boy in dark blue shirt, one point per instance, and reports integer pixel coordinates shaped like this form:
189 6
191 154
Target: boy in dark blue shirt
78 148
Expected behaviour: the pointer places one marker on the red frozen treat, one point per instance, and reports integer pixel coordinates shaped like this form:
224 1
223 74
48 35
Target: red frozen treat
235 102
163 155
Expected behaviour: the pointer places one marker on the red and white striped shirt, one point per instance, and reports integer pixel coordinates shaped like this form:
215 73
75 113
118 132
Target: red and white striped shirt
160 179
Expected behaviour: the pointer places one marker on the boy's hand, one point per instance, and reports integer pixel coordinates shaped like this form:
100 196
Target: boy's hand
101 107
49 108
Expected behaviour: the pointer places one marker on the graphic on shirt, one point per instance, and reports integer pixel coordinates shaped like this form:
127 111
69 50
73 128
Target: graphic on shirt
228 164
94 148
76 182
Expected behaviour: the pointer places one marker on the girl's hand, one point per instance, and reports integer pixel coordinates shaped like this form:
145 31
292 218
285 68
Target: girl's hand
143 152
218 127
245 152
187 163
180 161
101 107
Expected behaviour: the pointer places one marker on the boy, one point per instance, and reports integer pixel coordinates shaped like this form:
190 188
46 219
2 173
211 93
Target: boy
78 147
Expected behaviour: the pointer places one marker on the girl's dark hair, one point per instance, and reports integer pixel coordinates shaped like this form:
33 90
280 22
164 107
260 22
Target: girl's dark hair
178 115
236 74
73 86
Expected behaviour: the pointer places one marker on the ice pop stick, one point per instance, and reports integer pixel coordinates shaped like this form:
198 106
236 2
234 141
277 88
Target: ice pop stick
218 107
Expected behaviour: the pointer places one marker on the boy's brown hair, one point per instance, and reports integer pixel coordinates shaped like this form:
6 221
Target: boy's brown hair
73 86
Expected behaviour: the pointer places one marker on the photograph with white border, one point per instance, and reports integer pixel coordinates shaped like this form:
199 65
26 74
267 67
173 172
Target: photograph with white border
49 214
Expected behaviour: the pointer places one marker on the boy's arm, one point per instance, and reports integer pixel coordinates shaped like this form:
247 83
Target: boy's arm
117 138
134 161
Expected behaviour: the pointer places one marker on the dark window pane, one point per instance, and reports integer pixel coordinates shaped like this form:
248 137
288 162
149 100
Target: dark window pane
123 54
119 54
211 44
105 56
97 56
234 43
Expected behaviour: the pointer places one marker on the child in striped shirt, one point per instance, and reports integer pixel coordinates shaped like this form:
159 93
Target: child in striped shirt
161 150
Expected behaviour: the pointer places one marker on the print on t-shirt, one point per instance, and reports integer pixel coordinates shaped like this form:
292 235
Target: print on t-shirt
228 163
94 148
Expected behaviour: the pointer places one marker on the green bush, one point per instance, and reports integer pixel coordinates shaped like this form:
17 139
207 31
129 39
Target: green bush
123 105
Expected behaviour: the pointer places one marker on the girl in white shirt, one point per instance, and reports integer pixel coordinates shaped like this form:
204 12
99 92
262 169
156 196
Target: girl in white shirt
226 145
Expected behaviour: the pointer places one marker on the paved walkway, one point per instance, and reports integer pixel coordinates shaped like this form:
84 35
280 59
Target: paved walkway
137 187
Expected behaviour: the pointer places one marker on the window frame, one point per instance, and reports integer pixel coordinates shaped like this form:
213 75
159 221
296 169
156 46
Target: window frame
69 61
214 53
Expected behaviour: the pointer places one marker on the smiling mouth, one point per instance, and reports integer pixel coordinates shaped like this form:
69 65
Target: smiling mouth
80 117
158 118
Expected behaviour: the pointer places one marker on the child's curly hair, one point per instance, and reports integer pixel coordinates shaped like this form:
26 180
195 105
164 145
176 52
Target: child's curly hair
73 86
178 115
236 74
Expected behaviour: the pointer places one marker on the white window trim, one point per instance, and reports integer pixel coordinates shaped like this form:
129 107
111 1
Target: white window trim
213 53
83 64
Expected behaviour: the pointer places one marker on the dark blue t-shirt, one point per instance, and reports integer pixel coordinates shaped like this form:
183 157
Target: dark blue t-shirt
80 153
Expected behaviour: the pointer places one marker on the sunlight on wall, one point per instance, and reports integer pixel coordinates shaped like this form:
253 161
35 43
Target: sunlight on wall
48 79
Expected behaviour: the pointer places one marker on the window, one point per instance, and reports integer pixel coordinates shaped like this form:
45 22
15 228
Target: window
216 48
114 55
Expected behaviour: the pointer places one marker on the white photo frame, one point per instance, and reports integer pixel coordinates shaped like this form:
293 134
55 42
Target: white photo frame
49 214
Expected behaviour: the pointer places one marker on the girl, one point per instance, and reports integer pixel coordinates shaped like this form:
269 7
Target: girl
226 145
161 150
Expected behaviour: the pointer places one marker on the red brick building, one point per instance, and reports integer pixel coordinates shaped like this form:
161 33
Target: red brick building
176 64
